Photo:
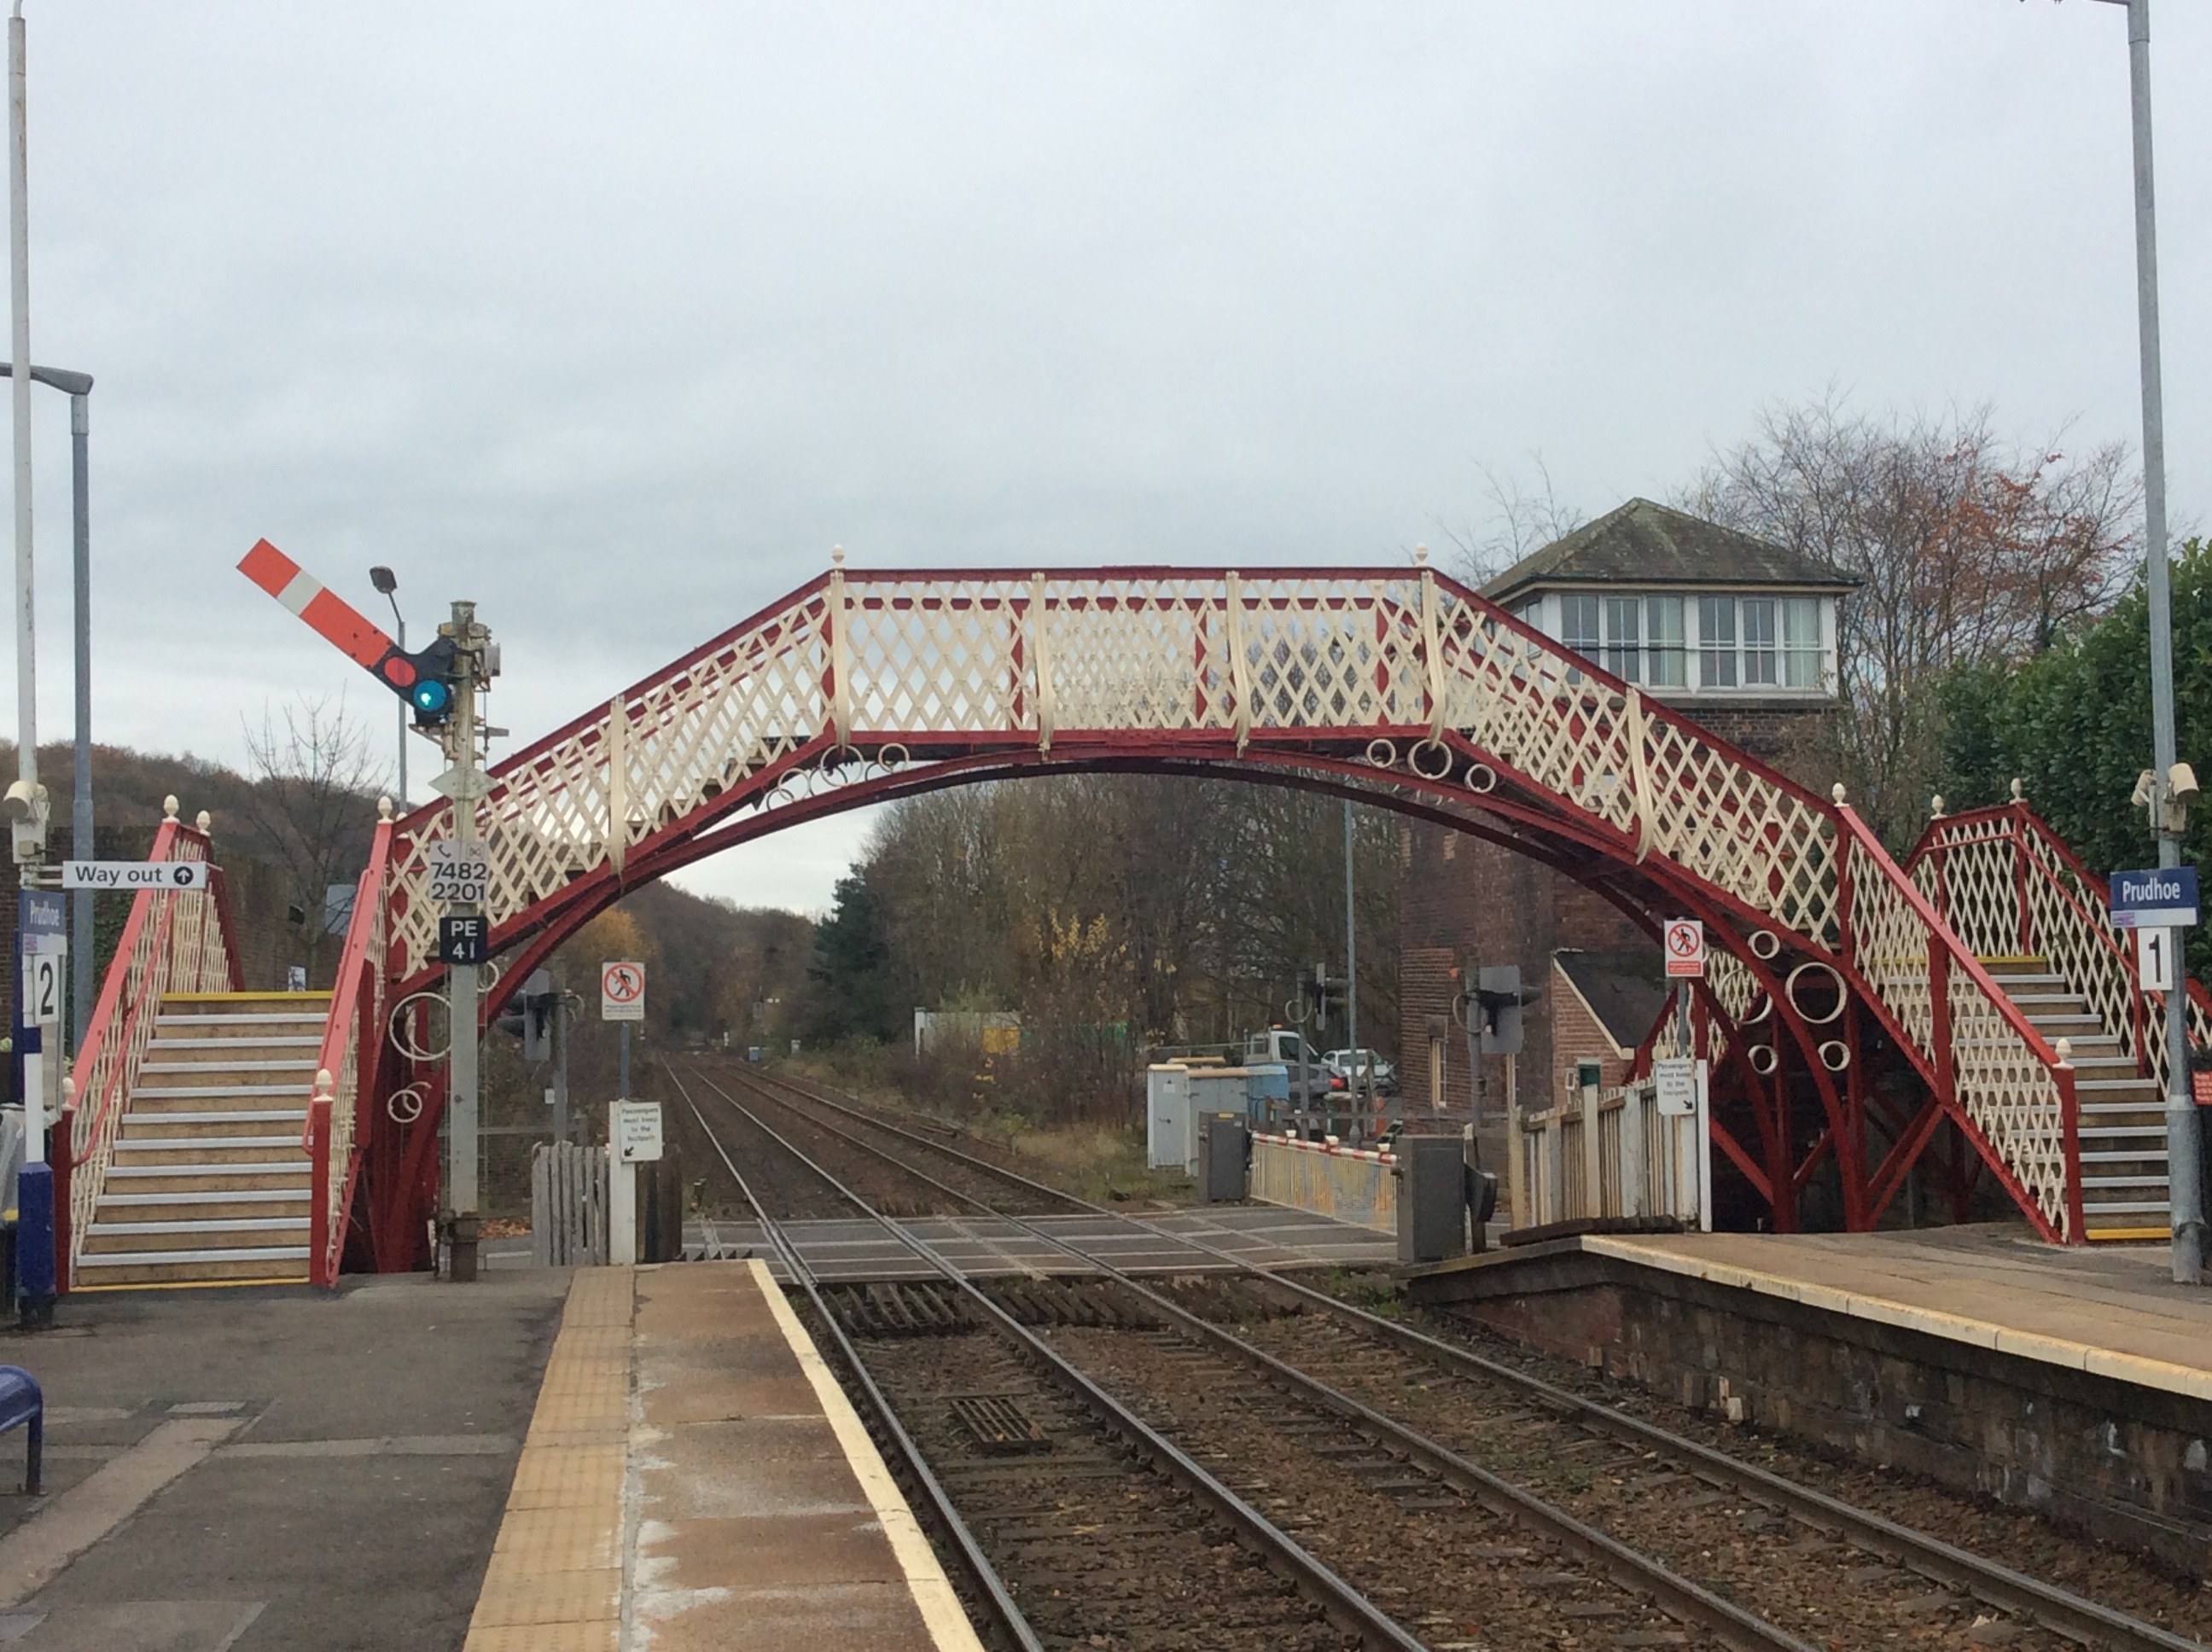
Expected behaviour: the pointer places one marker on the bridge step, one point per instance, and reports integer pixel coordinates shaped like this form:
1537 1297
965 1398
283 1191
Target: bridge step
207 1182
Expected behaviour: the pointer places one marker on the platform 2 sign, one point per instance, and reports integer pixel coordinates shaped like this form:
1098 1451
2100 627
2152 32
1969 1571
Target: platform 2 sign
2163 897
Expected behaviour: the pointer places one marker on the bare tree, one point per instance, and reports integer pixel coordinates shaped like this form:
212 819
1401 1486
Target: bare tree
1521 520
311 806
1969 552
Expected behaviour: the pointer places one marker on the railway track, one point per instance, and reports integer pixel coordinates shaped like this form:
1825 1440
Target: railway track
1780 1548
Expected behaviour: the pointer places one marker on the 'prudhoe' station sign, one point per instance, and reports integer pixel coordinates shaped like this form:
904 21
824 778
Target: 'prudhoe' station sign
2164 897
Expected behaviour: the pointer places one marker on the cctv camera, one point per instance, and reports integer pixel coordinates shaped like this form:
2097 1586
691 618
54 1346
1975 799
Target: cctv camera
23 800
2146 786
2181 783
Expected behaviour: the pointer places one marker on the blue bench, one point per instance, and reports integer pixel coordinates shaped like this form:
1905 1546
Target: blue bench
21 1403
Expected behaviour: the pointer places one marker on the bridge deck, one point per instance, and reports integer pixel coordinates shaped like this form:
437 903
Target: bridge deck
1263 1235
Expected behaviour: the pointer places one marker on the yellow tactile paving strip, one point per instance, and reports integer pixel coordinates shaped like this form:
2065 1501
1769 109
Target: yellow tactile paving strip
2041 1306
554 1580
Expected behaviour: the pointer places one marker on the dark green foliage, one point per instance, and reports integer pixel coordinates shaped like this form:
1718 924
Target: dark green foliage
2072 724
849 981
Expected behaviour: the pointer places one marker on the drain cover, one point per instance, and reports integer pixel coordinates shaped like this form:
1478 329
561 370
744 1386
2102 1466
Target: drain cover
1000 1426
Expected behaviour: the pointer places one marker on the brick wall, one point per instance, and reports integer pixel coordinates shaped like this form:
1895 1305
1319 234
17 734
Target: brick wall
1576 1037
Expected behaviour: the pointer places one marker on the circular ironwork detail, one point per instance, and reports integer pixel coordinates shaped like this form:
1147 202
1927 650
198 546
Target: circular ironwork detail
403 1043
405 1106
1765 943
1487 783
1789 986
1382 753
1766 1009
1835 1055
1442 751
1762 1068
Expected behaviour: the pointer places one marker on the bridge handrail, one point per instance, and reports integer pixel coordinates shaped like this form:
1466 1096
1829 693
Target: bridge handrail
2006 1080
173 941
349 1038
2005 879
859 665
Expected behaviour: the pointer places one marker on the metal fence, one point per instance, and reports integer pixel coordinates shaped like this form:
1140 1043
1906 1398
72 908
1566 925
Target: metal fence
1349 1183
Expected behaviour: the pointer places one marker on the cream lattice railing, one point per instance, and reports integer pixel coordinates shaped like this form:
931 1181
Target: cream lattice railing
882 666
2005 1077
355 1023
173 941
2009 885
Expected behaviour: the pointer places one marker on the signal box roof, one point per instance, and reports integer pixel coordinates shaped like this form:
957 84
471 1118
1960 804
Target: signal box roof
1642 544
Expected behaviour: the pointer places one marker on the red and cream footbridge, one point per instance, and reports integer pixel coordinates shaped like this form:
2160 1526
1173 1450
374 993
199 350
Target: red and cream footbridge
1852 1018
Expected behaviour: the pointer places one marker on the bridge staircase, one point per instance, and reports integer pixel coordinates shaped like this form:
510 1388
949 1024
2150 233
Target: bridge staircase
2041 925
206 1181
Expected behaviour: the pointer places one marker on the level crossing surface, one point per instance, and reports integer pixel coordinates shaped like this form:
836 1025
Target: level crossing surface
1208 1240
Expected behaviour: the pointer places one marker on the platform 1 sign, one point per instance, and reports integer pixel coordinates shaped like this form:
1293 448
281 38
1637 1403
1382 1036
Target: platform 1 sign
2164 897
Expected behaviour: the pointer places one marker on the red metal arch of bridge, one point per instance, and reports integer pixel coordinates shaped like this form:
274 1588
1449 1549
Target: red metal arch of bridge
1397 687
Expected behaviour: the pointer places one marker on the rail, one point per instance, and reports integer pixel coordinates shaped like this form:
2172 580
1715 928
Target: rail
1353 1184
2011 886
173 941
2073 1615
1998 1078
348 1047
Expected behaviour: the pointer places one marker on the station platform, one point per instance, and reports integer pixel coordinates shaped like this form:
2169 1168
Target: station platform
2077 1382
693 1476
1165 1241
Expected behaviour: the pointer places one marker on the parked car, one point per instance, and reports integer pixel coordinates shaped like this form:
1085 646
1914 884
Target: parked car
1358 1069
1287 1046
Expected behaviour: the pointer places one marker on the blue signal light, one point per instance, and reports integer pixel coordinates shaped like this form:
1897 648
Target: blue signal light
431 696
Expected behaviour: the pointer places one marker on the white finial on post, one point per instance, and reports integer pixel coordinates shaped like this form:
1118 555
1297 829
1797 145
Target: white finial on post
2065 1052
169 806
384 808
1837 792
204 821
1935 806
837 554
1421 555
326 1086
2019 791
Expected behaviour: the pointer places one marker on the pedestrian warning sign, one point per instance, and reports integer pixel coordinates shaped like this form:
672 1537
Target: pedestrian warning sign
1684 939
622 992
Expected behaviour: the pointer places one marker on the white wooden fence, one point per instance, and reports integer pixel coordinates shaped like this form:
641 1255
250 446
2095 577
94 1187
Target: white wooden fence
568 1205
1611 1152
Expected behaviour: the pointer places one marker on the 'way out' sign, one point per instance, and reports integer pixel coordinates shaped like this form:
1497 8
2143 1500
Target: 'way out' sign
136 874
2164 897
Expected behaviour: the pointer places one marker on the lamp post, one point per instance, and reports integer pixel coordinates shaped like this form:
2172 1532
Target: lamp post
2168 812
387 584
77 386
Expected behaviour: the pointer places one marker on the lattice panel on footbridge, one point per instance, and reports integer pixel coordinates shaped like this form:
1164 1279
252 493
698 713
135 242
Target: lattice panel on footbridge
1642 771
561 809
944 656
1980 865
1334 654
1999 1078
1136 655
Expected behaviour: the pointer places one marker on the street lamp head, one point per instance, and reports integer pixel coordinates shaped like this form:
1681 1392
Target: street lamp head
384 580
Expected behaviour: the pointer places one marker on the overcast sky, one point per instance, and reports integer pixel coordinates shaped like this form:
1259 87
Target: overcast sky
615 318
